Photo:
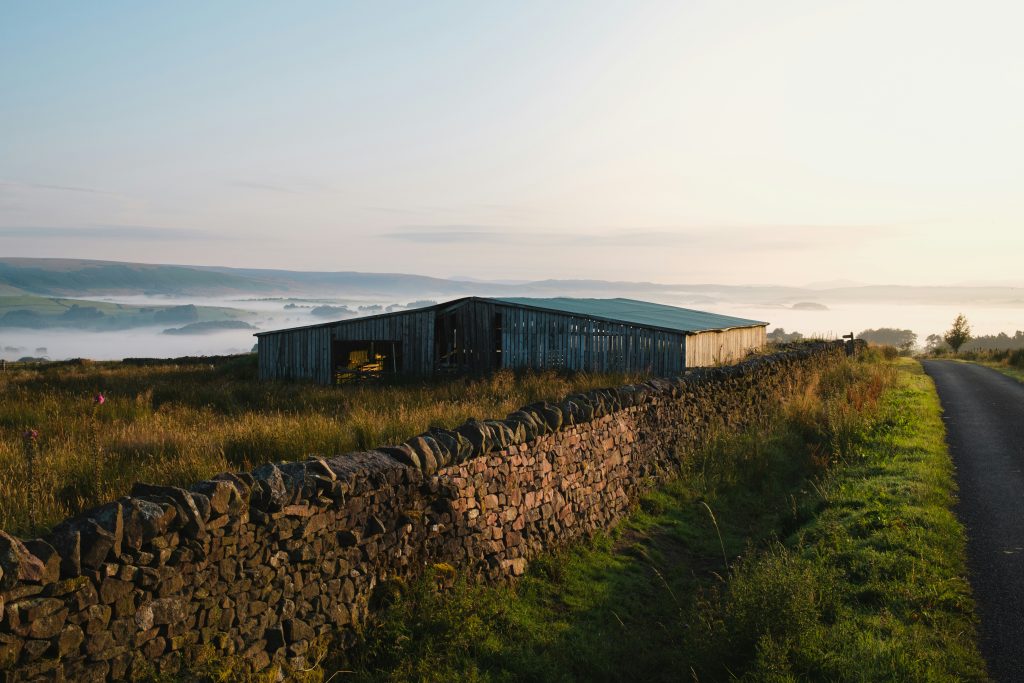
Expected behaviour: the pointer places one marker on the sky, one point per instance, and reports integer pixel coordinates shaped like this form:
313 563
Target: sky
780 142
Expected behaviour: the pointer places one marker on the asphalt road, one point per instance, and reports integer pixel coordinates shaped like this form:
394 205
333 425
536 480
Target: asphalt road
984 415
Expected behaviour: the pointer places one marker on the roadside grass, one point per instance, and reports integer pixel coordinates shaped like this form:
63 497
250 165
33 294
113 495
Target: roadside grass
1008 370
821 548
1008 362
178 424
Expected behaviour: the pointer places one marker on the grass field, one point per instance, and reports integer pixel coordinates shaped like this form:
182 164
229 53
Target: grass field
178 424
822 549
39 312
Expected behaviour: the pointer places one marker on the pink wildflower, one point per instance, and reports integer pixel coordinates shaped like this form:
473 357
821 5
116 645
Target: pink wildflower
100 399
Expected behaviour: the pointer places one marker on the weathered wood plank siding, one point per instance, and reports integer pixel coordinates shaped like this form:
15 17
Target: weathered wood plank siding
531 339
479 335
413 329
296 354
716 347
305 353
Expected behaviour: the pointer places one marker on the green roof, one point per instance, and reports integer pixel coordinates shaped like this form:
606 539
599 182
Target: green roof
638 313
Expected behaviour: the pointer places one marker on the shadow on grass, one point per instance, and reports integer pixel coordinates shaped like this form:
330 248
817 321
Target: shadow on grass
625 606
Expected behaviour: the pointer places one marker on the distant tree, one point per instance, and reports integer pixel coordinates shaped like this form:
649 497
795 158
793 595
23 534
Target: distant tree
905 340
333 312
996 342
780 336
187 313
959 334
934 343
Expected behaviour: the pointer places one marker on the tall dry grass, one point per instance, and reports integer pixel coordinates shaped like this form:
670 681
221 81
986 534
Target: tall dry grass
178 424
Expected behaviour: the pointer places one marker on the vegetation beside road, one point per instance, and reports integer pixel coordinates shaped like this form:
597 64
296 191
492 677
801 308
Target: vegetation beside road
823 548
1010 363
177 424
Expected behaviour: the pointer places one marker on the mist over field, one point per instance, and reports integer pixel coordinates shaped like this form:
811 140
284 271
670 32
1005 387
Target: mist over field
212 316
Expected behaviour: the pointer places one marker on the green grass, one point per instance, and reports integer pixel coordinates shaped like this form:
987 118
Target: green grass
1008 362
178 424
39 312
823 548
1008 370
877 581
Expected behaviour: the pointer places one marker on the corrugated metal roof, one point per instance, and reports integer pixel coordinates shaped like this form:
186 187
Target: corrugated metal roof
638 313
630 311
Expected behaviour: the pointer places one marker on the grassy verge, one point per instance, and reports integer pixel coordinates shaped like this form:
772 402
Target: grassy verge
823 548
1010 363
177 424
1008 370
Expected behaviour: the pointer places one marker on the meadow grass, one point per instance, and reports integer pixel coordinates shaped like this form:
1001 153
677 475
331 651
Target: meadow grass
820 548
178 424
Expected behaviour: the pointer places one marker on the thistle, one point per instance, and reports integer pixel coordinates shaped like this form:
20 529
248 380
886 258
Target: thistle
30 442
97 449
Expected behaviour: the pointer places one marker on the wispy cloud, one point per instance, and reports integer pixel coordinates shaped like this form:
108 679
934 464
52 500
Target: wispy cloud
286 185
458 234
55 188
140 233
265 187
753 237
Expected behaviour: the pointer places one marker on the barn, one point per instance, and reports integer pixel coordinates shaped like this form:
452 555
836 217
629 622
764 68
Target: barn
478 335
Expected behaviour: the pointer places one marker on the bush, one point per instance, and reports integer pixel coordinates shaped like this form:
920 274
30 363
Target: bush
772 603
889 352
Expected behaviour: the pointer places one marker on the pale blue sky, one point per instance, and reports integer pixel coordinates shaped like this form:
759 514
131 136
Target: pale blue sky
718 141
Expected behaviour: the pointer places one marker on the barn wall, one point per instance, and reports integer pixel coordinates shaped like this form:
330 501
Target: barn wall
415 329
474 320
710 348
297 354
528 339
563 341
305 353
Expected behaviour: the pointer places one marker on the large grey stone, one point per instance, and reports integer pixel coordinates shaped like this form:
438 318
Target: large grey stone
270 483
191 519
145 520
18 563
223 496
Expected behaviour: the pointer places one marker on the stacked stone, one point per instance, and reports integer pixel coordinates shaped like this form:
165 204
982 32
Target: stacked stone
262 564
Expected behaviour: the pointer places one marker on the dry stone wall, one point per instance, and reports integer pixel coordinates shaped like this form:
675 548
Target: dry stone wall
261 564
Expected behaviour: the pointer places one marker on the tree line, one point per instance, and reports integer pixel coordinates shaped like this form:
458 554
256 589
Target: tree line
956 339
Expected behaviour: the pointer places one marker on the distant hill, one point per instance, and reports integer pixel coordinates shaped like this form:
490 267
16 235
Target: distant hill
210 327
69 277
82 278
41 313
355 284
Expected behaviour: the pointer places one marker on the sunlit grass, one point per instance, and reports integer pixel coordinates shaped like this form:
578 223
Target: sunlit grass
843 561
179 424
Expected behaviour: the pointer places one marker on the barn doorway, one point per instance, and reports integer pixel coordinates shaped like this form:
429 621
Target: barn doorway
449 343
361 360
465 343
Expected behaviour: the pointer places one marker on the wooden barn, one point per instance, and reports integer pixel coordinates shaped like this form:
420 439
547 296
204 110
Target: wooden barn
477 335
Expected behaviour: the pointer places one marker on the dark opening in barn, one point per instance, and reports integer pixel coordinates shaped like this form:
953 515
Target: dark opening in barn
354 360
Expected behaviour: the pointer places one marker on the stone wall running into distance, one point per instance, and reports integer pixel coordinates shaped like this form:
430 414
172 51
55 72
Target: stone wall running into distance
261 564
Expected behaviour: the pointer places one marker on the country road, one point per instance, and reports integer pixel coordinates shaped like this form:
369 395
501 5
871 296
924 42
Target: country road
984 416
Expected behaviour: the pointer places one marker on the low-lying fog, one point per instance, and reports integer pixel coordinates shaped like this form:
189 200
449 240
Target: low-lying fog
269 314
